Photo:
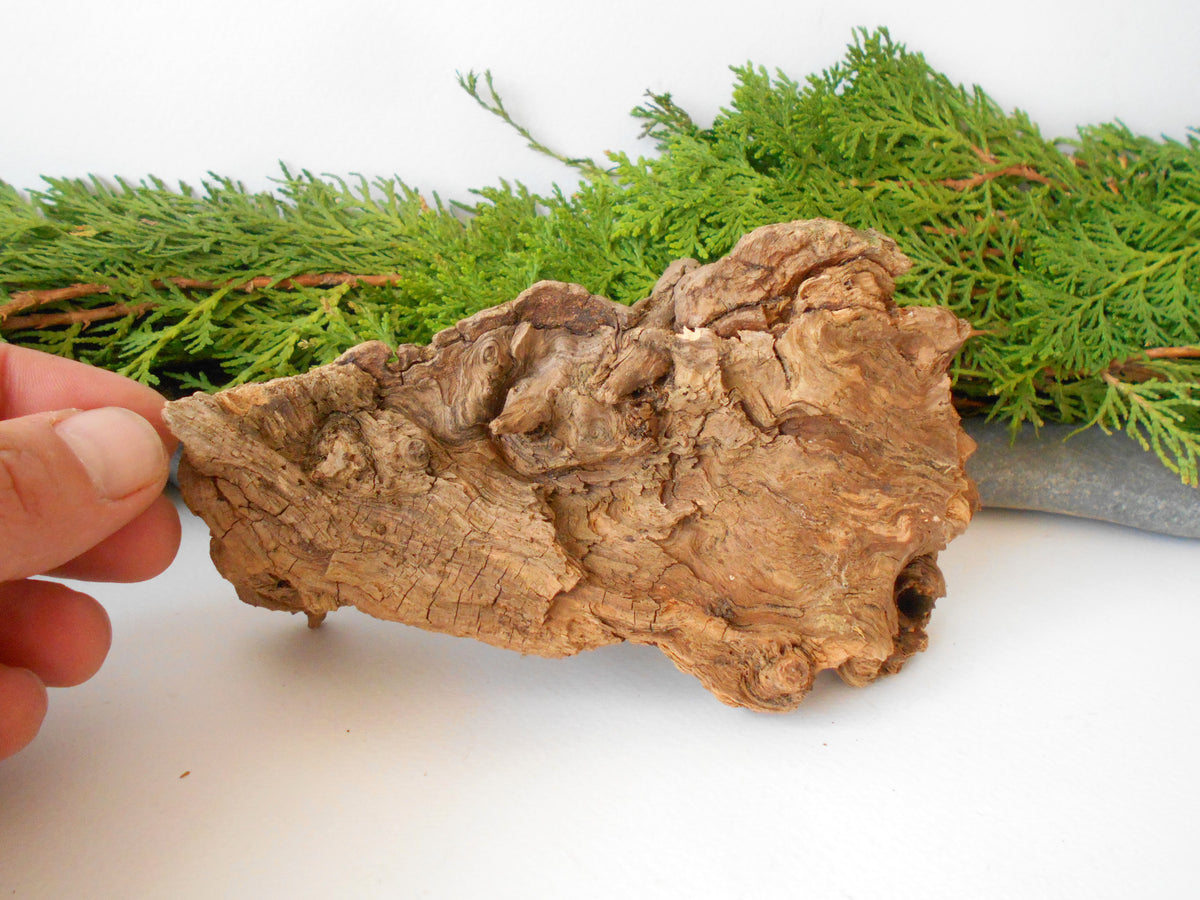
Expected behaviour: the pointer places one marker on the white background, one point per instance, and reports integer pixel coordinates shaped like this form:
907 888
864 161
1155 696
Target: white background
1044 746
180 88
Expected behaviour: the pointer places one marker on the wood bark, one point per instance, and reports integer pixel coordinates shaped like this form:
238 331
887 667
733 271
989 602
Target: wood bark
753 469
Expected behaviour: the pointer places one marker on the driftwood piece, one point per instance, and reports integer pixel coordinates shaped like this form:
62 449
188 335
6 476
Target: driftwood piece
753 469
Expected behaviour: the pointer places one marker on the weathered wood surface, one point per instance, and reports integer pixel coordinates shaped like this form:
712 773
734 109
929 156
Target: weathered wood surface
753 469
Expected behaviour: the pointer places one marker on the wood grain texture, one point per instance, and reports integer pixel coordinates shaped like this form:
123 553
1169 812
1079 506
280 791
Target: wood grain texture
753 469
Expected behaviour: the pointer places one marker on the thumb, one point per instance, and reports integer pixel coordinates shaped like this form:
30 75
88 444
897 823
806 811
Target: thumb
68 480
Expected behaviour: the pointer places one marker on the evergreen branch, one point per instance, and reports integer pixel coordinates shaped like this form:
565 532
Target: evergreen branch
1156 415
1079 271
495 105
662 118
140 367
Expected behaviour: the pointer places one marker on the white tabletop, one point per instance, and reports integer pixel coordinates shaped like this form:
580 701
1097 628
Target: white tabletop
1044 746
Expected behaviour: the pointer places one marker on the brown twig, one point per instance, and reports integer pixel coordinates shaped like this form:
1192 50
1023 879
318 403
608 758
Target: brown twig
1171 353
22 300
1134 369
324 279
1022 171
991 251
1019 170
948 230
990 159
74 316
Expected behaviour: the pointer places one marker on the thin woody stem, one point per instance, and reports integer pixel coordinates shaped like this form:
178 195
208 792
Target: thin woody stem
23 300
1172 353
75 316
1133 369
1018 170
1154 353
1027 172
1021 171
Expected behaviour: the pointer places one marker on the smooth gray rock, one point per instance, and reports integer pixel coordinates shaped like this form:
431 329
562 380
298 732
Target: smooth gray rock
1093 475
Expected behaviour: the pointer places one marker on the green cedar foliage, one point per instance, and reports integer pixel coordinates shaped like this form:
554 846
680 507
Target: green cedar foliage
1075 262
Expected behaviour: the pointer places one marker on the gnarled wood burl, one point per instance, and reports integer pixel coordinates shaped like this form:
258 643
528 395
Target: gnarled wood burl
753 469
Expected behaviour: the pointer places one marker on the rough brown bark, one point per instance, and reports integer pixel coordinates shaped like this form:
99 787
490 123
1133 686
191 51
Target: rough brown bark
752 469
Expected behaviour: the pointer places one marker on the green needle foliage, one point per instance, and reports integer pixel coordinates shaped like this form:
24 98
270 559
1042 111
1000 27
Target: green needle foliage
1076 261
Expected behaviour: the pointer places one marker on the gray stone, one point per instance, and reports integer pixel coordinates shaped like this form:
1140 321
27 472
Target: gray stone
1093 475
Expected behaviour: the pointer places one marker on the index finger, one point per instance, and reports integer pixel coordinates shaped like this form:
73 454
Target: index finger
32 381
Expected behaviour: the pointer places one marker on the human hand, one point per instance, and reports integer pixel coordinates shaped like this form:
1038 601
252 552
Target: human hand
83 461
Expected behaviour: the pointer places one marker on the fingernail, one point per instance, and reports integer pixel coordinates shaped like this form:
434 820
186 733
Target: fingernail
120 450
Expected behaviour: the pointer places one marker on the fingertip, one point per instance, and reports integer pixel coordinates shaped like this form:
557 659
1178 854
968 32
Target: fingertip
85 639
70 479
142 549
61 635
162 534
158 420
23 705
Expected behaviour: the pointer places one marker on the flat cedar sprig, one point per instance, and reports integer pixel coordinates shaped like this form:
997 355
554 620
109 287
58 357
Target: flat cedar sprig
1076 261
